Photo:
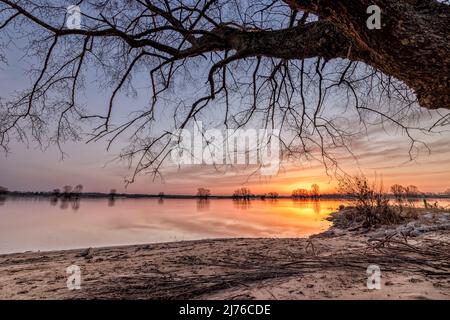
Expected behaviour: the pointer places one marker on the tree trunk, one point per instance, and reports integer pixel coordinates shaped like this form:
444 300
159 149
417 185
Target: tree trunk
412 44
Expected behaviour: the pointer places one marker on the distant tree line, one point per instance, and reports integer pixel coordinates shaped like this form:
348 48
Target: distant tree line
242 193
68 191
399 192
314 192
3 190
410 192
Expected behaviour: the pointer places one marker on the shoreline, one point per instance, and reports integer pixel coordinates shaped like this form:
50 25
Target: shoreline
330 265
118 196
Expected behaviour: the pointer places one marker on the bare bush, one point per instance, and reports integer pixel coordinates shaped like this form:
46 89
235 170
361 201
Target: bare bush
371 205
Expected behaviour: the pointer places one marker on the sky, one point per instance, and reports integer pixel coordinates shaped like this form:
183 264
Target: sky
380 155
28 168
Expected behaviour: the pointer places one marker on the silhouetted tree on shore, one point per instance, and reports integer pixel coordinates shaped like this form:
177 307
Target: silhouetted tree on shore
203 193
315 191
399 192
67 191
412 191
402 193
242 193
69 195
300 193
273 195
77 190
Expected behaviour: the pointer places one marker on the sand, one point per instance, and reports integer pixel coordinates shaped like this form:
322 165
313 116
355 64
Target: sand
332 265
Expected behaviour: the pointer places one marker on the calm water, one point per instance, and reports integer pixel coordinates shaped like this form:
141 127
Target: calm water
31 224
27 224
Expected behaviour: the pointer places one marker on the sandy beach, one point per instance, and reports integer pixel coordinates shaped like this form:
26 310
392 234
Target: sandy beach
413 259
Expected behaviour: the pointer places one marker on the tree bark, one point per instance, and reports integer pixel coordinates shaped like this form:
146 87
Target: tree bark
412 44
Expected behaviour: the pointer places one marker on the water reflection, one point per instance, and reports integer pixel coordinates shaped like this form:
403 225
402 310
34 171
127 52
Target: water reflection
242 204
112 198
40 224
75 204
314 204
67 202
202 204
53 201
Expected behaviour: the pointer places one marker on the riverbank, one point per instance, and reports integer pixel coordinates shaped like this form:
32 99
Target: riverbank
414 260
100 195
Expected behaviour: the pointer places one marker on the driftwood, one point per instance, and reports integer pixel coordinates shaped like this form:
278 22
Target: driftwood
195 270
429 258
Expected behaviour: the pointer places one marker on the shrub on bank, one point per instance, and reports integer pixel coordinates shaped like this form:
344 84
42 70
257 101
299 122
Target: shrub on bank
370 205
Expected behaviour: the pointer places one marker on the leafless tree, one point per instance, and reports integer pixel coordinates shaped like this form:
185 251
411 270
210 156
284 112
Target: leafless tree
399 192
203 193
309 67
412 191
242 193
300 193
78 188
67 191
315 191
273 195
